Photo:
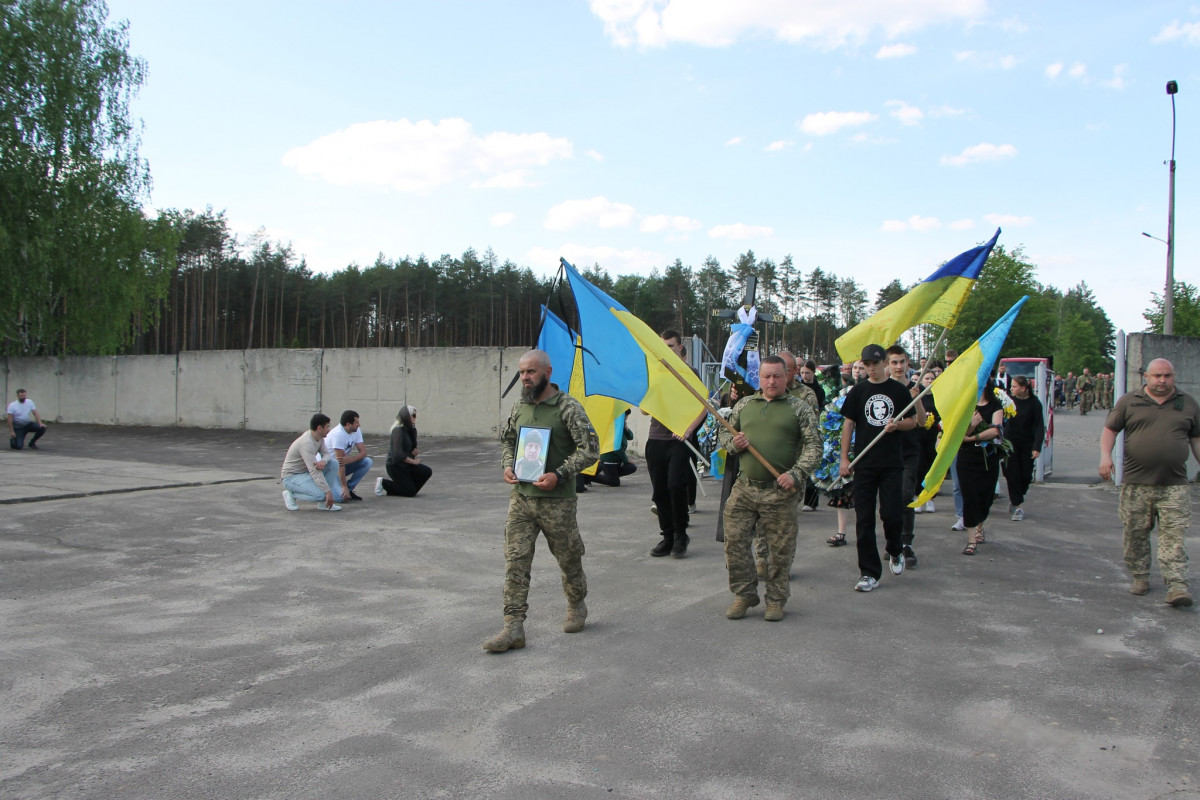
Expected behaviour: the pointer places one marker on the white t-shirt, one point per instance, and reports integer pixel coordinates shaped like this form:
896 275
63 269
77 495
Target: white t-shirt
338 439
22 413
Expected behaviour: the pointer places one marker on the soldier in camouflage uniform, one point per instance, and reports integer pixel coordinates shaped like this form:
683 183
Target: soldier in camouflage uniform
1161 426
1069 390
1087 392
546 504
784 430
1103 390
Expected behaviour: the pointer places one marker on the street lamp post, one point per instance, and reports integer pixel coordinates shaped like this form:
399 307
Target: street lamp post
1169 299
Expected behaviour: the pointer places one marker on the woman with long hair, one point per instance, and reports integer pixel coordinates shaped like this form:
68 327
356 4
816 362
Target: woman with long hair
406 473
1026 430
979 458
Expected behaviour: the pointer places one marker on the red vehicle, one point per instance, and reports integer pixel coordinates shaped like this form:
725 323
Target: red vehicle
1041 377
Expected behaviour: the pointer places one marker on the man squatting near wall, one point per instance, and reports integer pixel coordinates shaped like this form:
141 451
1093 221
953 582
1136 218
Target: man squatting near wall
548 504
1161 425
309 472
784 429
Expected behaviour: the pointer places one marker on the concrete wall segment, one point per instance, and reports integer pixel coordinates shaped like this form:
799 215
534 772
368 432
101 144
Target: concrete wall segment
372 381
282 389
146 390
87 389
455 389
212 389
39 377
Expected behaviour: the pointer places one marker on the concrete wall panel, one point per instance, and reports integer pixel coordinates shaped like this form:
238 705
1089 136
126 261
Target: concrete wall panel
283 389
87 389
372 381
455 389
145 390
509 358
39 377
212 389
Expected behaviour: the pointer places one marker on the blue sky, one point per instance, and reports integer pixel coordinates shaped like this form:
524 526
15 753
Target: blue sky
873 139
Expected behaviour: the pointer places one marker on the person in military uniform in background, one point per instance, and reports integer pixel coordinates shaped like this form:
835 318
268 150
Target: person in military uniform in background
784 430
1161 426
546 505
1087 391
1069 389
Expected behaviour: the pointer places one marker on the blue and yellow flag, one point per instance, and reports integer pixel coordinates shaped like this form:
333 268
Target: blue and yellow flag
955 392
620 359
937 299
607 415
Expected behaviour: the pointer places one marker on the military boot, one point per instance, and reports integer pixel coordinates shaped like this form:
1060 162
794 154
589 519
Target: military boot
511 638
774 611
741 604
576 617
1139 586
1178 596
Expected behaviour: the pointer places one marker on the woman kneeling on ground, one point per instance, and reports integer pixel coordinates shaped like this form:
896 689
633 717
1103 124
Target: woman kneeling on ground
406 472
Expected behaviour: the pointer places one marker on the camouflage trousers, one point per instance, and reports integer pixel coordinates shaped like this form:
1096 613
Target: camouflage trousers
770 513
555 518
1171 507
1086 402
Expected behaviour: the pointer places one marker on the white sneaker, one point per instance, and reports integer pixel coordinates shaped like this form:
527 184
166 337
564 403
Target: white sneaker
897 564
930 508
958 525
1018 515
379 486
691 509
919 510
865 584
807 508
334 507
289 500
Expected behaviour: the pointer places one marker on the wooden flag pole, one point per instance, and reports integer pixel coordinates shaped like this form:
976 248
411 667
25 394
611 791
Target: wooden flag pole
724 422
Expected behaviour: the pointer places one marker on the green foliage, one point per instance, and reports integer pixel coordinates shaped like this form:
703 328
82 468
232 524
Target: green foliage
1005 278
84 268
1185 309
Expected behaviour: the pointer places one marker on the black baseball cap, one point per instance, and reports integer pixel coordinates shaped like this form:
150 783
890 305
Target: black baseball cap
872 352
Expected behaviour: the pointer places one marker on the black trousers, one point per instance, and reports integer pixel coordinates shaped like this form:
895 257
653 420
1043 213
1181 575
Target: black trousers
406 479
1019 472
977 479
908 491
882 485
667 461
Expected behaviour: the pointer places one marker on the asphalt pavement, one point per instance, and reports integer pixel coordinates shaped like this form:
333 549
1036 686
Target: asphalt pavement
169 630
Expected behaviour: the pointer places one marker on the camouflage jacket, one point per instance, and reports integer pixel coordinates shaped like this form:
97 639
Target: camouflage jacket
802 460
573 444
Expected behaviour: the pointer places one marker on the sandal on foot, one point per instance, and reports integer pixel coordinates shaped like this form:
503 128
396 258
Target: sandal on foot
979 537
969 550
837 540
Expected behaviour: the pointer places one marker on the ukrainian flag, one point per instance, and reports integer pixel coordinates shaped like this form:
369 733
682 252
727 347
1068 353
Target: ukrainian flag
955 392
937 299
620 358
606 414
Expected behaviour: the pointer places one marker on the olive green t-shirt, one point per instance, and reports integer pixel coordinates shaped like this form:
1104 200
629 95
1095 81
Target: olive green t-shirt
1156 436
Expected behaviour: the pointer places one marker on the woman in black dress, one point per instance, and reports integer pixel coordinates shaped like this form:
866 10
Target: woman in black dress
406 473
979 459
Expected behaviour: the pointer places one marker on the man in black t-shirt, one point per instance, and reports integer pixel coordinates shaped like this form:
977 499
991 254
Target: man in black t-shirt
871 413
897 361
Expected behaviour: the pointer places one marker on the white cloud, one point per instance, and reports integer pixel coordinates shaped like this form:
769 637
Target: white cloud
1008 220
984 151
598 211
908 115
824 123
961 224
594 155
946 111
1117 81
502 219
614 261
1078 70
719 23
1053 70
517 179
735 140
895 51
658 223
782 144
1188 32
1014 25
421 156
741 231
913 223
985 60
